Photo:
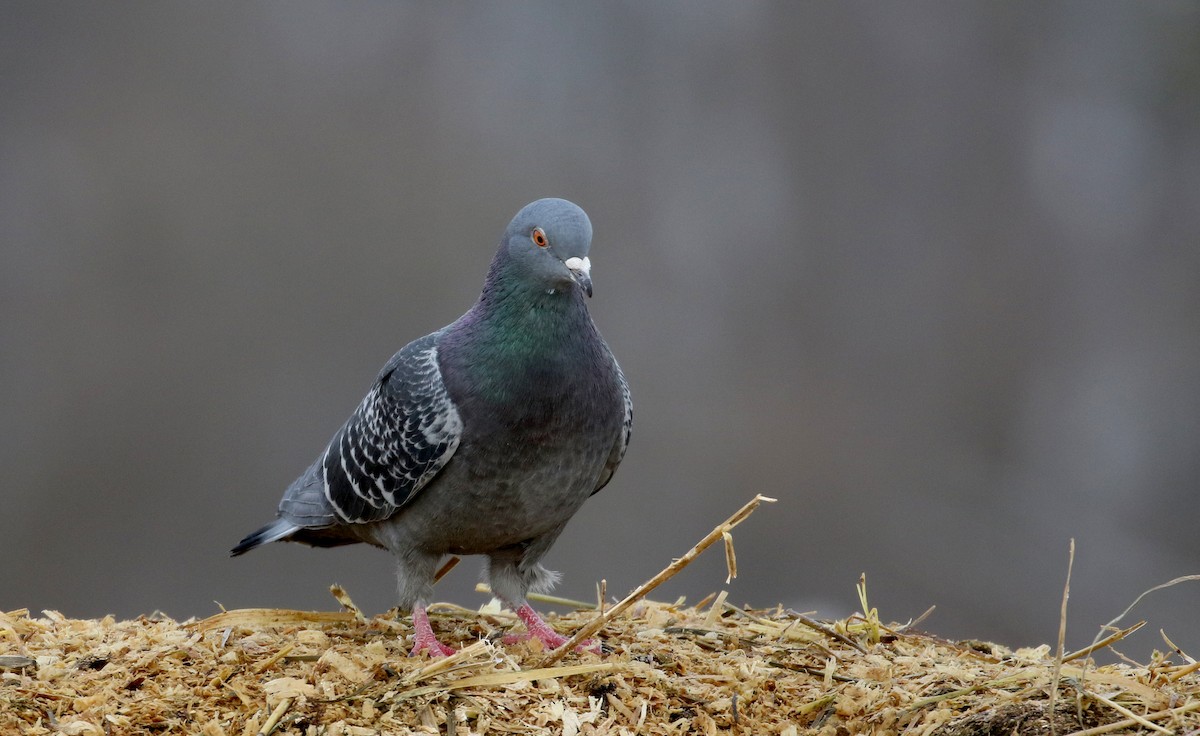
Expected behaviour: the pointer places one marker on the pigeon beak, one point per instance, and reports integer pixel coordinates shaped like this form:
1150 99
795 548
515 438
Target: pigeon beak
581 271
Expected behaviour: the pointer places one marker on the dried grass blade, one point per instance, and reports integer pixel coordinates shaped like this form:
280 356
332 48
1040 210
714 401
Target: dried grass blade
1062 634
666 574
1129 722
1112 624
1183 671
1129 714
553 600
911 624
827 631
1027 673
1106 641
445 664
277 714
445 569
266 664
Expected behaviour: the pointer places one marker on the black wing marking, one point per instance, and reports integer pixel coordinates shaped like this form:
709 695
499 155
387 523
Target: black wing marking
402 433
622 443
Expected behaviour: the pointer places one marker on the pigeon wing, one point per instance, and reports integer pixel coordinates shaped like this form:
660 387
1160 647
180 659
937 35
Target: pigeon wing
401 435
622 443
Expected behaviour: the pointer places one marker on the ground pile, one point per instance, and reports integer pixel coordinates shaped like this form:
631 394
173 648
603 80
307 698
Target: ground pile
667 669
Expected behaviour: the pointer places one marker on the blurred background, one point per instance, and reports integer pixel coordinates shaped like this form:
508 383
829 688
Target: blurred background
928 273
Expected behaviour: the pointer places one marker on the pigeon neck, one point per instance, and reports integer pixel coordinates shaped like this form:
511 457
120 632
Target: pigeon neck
510 296
524 314
517 327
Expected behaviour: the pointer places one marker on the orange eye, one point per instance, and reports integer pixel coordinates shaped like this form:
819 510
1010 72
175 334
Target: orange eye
539 238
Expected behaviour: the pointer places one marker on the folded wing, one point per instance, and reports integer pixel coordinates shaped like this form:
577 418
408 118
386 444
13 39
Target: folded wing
403 432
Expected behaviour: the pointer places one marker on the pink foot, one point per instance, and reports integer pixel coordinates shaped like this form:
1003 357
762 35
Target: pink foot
423 638
537 628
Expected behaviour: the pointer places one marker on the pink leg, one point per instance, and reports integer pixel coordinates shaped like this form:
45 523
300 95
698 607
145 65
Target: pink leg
540 630
423 638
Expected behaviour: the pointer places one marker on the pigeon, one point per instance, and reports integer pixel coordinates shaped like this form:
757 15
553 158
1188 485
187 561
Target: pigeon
482 438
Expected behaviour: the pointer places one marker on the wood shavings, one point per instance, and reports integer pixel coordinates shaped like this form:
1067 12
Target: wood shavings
668 669
671 670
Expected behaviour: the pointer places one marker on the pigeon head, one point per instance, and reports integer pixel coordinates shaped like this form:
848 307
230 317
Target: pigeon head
546 245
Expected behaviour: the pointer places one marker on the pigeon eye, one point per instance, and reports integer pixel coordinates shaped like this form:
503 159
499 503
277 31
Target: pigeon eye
539 238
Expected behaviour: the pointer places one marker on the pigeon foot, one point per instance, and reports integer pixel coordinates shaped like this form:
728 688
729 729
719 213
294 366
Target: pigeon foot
537 628
423 638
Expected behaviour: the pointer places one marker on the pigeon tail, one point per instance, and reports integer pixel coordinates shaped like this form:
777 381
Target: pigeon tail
273 532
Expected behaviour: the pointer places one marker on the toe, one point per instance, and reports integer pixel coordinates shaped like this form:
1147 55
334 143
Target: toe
435 648
553 640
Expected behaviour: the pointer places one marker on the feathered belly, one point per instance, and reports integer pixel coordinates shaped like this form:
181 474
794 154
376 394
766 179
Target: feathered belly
485 501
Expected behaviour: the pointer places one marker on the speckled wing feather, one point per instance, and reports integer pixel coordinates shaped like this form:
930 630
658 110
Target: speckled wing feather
400 436
622 443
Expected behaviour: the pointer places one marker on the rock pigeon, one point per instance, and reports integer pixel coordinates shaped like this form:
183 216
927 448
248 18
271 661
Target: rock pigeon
484 437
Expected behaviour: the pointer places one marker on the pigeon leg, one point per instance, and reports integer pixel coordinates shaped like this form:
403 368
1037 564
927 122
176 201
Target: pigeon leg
513 572
537 628
423 638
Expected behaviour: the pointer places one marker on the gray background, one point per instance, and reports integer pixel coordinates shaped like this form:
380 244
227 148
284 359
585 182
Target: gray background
927 273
